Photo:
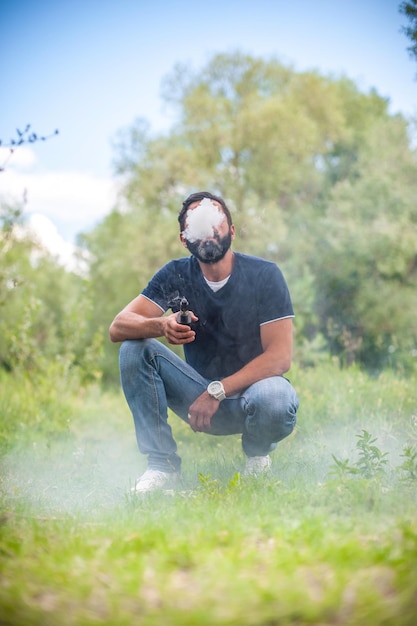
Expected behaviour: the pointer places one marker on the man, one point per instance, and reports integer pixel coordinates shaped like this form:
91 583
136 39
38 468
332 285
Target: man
237 347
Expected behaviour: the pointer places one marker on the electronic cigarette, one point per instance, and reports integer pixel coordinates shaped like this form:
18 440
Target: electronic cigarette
183 316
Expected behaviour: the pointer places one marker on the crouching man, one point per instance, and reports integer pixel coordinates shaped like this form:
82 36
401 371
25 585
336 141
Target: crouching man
237 347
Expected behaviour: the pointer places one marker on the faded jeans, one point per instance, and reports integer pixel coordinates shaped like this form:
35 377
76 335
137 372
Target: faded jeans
154 379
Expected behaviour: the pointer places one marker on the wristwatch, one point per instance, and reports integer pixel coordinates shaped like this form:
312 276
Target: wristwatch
216 390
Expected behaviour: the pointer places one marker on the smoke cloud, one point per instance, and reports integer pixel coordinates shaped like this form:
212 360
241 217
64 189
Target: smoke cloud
202 221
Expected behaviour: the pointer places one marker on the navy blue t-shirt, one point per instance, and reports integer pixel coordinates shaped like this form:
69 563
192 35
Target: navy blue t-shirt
229 320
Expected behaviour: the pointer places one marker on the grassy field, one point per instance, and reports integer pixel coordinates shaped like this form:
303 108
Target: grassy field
329 538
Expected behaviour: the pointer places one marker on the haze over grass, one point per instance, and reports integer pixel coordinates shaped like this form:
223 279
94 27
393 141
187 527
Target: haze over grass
316 542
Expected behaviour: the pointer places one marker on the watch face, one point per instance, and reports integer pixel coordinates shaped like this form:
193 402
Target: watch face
215 387
216 390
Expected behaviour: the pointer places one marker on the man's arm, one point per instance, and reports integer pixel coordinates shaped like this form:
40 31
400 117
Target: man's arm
143 319
275 360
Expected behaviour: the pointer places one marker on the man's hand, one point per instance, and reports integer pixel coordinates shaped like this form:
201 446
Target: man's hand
201 411
178 334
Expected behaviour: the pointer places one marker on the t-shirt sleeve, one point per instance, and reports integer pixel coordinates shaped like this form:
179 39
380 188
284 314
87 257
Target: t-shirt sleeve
274 300
160 289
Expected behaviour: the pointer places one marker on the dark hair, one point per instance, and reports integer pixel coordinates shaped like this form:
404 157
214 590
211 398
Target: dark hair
197 197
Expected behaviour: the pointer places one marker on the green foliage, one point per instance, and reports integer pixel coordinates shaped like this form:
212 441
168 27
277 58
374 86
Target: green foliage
320 179
125 251
409 465
409 9
45 311
366 271
371 461
36 404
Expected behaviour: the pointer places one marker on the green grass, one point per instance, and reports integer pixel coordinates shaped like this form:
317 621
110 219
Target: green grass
329 538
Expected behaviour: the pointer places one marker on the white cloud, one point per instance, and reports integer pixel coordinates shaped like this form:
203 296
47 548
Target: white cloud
73 201
46 233
21 157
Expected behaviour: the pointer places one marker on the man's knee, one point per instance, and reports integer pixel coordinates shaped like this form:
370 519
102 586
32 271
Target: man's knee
274 400
274 391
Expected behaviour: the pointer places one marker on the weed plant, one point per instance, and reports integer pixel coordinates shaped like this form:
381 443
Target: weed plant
330 537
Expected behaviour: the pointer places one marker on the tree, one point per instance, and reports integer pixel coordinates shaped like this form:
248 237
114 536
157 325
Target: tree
320 178
125 250
367 270
409 9
44 309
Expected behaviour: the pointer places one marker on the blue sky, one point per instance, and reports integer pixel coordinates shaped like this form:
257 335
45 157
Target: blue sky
90 67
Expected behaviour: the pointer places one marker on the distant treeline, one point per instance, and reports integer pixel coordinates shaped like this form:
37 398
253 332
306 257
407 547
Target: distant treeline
320 178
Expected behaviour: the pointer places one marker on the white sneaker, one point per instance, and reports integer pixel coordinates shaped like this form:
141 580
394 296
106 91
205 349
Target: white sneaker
151 480
257 465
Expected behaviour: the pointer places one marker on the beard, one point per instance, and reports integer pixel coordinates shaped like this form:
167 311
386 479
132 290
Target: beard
210 250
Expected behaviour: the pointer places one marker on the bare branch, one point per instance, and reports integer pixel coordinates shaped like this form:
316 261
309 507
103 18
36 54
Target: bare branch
22 137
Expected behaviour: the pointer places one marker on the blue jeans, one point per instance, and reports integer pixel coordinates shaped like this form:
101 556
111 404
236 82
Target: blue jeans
154 379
